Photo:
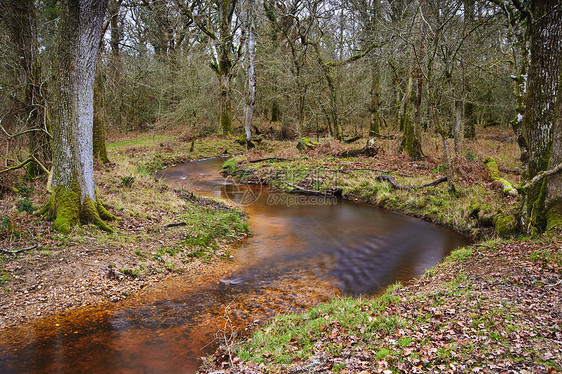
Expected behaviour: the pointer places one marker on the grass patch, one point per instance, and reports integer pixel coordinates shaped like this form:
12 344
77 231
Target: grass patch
460 254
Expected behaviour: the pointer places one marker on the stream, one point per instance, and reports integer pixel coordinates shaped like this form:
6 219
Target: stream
304 250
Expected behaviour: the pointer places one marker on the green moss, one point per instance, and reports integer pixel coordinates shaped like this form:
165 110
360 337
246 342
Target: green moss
305 144
469 127
226 123
505 225
66 208
493 172
411 143
554 216
89 213
229 165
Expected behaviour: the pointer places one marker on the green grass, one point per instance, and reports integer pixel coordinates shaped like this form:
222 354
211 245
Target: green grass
144 141
355 316
460 254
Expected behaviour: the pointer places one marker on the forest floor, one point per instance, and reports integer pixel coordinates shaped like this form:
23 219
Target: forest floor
492 307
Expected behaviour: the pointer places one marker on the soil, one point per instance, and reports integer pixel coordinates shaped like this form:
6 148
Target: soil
60 275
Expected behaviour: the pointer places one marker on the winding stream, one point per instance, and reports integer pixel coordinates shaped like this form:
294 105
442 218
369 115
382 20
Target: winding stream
304 250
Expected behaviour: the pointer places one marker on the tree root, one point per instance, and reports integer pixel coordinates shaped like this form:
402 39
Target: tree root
65 210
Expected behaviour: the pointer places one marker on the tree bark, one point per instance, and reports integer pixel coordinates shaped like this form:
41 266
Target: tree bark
541 124
226 10
74 196
412 141
251 73
374 125
99 131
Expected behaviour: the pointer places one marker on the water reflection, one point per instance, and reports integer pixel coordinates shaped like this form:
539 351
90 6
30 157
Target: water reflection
300 255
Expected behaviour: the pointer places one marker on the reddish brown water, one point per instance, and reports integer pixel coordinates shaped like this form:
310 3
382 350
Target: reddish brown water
302 253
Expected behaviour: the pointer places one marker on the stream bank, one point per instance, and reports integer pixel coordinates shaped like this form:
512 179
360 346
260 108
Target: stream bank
493 307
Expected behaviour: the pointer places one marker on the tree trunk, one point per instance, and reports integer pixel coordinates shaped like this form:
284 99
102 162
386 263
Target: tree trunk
225 65
457 131
99 132
225 103
115 62
251 73
540 126
374 125
22 30
469 107
74 196
412 141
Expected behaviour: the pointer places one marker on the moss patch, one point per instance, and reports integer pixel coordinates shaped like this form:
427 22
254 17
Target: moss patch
505 225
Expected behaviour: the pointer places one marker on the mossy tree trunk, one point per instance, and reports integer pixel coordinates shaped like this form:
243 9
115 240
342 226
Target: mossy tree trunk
412 140
226 13
74 196
540 139
374 123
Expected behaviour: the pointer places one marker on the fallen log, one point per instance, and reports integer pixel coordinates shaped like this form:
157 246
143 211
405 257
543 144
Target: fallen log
269 159
354 139
304 191
398 186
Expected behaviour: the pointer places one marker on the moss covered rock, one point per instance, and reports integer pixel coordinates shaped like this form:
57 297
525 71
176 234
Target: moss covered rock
505 225
305 144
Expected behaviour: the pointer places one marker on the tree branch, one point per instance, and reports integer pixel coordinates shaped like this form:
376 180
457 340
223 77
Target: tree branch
18 250
23 132
20 165
537 178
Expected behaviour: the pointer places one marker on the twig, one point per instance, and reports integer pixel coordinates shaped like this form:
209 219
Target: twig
23 132
269 159
18 250
483 246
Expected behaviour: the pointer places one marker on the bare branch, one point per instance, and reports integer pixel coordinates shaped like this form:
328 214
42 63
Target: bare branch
20 165
545 173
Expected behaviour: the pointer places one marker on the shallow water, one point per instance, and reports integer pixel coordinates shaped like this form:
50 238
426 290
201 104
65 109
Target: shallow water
304 250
